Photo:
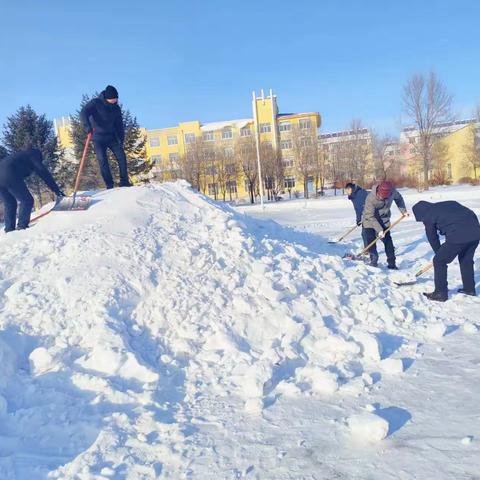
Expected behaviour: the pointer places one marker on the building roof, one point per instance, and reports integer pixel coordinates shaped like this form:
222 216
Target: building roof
243 122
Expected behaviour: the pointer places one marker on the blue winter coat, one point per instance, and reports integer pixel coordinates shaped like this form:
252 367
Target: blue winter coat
458 223
358 197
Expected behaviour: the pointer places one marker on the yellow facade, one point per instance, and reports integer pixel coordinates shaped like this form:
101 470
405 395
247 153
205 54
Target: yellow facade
167 147
458 147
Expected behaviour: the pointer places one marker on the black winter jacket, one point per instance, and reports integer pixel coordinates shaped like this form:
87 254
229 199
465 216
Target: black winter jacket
458 223
21 165
358 197
104 119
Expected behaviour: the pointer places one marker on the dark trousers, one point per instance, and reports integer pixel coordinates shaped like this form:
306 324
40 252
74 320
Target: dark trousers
101 146
11 195
369 235
445 255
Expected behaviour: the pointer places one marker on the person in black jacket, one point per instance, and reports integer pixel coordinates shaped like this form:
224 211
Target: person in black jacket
461 229
102 118
357 195
13 190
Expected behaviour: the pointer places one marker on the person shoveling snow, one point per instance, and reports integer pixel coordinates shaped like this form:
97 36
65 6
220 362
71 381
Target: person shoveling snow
461 229
13 190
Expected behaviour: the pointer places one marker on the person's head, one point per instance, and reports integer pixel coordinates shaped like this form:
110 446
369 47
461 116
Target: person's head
385 189
111 94
349 188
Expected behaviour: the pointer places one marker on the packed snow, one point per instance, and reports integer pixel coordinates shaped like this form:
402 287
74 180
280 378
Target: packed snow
162 335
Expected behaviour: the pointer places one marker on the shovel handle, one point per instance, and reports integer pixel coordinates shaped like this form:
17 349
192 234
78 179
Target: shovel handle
423 270
371 244
345 235
80 167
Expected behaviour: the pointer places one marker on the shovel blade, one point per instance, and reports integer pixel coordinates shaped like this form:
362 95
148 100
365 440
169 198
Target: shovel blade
78 203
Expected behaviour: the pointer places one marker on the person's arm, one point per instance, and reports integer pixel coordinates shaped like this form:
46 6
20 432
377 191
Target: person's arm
397 197
369 214
40 169
119 128
432 236
85 114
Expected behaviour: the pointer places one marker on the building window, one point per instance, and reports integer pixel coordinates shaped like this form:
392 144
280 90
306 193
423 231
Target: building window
172 140
245 132
305 141
228 152
213 189
209 155
211 170
305 123
189 138
245 150
173 157
208 136
154 141
265 128
411 140
288 162
232 187
230 169
286 144
285 126
289 182
227 134
156 160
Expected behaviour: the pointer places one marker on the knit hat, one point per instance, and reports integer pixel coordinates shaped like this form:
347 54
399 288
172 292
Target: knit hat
385 189
111 92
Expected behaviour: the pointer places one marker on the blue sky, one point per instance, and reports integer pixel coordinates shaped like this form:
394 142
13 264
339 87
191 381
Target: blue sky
175 61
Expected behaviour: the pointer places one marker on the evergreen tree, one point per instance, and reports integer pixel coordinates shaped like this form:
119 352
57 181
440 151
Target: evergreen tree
26 129
3 151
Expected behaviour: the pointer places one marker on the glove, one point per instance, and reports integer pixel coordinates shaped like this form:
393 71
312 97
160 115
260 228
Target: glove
60 194
381 235
405 214
359 223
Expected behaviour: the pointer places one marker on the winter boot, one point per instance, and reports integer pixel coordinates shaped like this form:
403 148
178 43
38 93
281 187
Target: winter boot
126 183
436 296
470 294
392 267
373 261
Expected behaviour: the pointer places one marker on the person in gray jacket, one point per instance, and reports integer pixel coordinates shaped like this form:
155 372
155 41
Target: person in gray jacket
376 219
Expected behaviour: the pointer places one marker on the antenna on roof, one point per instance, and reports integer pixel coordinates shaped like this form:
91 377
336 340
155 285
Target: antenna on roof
263 95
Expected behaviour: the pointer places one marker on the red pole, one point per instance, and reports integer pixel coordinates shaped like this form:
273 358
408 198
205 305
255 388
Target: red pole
82 163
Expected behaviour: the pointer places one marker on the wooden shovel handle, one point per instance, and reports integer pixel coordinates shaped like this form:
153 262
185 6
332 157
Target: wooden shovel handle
367 248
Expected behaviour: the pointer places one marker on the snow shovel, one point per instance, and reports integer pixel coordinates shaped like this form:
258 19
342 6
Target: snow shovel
343 237
81 202
423 270
362 253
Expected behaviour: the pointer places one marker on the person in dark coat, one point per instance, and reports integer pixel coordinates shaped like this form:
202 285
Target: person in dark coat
357 195
376 219
13 190
461 229
102 118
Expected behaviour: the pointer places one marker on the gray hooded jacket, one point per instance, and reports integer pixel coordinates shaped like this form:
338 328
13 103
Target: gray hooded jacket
377 212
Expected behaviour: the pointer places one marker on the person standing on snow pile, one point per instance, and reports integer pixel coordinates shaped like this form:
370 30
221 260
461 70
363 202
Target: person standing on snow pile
357 195
13 190
461 228
102 118
376 219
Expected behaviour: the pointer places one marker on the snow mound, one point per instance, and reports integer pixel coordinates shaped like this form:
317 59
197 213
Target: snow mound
130 321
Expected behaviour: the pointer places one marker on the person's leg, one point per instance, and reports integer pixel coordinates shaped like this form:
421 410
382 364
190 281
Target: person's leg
465 257
10 209
102 159
119 153
389 250
445 255
23 196
369 235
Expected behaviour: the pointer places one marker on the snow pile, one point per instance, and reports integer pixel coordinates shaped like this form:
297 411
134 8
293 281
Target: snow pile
130 323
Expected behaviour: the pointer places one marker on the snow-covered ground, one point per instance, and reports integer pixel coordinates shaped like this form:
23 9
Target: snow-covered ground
161 335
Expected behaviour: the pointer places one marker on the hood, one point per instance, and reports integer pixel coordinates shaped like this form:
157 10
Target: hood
420 210
104 100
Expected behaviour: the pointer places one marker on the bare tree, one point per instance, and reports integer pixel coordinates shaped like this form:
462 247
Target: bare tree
428 103
440 174
193 164
245 153
273 170
304 148
472 149
384 157
321 167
